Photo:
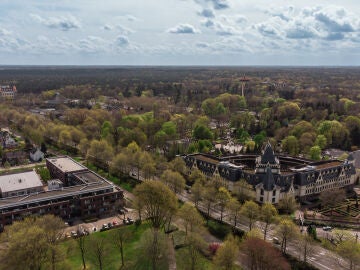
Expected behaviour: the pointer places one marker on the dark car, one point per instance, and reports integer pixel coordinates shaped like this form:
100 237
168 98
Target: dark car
104 227
130 221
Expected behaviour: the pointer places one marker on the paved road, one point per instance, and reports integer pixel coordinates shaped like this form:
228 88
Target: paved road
25 166
320 258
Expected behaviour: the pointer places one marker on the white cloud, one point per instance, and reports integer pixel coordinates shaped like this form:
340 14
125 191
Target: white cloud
93 44
122 41
183 28
64 23
331 23
207 13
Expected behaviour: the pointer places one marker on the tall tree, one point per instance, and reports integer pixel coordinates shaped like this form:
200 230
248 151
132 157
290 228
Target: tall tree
223 197
286 231
98 247
262 255
174 180
268 215
159 203
152 248
192 220
251 211
226 255
120 236
350 250
234 208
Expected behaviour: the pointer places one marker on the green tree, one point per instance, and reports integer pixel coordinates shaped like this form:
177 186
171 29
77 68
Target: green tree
251 211
286 230
223 197
268 215
227 254
321 141
159 203
290 145
288 204
152 249
32 243
350 250
202 133
174 180
191 218
234 208
243 191
315 152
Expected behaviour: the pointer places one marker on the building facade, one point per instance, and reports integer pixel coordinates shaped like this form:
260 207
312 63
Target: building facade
78 192
274 176
8 91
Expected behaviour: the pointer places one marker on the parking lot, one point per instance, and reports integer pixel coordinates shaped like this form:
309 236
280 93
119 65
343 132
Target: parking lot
101 224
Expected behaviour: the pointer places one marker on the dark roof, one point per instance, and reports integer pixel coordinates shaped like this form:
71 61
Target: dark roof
268 155
268 180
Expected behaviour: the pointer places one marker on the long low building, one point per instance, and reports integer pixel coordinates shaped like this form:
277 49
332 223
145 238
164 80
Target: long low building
83 193
275 176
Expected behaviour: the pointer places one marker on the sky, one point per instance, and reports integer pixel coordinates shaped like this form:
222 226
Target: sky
180 32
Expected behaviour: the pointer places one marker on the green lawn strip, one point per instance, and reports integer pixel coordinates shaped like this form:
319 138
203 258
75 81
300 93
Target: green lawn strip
182 262
112 258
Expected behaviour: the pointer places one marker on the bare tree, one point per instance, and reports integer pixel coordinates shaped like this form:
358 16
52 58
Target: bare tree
306 246
98 248
119 237
81 243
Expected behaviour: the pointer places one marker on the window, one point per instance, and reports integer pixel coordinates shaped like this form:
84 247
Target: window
261 192
273 200
261 199
274 192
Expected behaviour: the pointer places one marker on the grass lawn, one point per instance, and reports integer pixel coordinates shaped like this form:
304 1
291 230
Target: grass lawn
112 259
182 264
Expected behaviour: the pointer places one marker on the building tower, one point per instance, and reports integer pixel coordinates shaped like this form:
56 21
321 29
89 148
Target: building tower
243 81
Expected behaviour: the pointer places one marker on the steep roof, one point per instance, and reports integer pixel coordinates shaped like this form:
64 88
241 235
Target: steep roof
268 155
268 180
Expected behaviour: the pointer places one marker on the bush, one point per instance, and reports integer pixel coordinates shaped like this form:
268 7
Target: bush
219 230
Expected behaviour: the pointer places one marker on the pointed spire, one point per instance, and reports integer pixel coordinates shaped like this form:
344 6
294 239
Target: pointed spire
268 155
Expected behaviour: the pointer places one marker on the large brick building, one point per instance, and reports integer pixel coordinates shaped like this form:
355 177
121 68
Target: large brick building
82 194
275 176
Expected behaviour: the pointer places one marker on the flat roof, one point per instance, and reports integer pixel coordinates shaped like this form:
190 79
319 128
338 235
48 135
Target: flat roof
66 164
54 194
19 181
89 177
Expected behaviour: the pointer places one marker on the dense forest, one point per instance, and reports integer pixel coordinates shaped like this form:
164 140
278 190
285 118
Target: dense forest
177 110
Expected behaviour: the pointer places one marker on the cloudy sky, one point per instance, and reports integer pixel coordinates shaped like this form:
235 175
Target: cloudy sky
180 32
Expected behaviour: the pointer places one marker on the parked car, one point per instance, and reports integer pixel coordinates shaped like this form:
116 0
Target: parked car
104 227
276 241
109 225
73 234
327 228
130 221
115 223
